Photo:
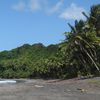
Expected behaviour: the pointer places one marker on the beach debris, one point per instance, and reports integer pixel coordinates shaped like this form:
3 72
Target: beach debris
82 90
39 86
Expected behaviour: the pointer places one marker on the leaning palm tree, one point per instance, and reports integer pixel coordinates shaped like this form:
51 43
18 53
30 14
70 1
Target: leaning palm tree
81 46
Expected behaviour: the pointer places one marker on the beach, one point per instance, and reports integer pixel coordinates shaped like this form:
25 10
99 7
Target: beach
38 89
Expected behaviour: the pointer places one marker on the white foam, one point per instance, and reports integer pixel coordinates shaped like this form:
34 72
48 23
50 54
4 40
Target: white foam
7 81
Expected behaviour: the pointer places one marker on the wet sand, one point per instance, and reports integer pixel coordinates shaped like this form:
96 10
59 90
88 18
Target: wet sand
72 89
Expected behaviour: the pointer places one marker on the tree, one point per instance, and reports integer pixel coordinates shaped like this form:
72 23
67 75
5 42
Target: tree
93 19
82 42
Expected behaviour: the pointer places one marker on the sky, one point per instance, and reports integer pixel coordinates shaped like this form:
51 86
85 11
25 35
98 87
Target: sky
38 21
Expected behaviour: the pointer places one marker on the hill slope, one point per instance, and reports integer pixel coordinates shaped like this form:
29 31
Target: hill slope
24 60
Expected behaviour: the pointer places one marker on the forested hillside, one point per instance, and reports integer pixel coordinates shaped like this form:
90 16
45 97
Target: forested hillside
24 60
78 54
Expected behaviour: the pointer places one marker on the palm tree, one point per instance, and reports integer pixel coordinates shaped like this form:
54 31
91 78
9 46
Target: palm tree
85 49
94 18
78 28
81 46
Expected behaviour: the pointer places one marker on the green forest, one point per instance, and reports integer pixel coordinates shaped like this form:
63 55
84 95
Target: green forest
78 54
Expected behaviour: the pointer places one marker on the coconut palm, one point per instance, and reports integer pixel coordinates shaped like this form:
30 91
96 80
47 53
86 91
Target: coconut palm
93 19
81 46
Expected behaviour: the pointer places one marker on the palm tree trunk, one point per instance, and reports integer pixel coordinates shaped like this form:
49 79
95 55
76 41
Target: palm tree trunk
92 60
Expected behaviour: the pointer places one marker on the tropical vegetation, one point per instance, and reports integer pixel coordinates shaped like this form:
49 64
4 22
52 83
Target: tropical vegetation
78 54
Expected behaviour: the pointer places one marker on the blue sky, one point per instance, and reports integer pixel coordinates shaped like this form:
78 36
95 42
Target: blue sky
35 21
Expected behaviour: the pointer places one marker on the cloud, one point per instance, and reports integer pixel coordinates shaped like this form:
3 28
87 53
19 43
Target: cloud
28 5
19 6
34 5
56 7
73 12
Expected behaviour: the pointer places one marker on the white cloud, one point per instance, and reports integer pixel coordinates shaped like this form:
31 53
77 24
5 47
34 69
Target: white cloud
73 12
34 5
19 7
30 5
56 7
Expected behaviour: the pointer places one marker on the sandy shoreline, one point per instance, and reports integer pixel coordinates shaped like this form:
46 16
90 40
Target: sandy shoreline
30 89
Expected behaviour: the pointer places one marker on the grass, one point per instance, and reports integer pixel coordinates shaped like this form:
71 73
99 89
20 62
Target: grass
94 81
